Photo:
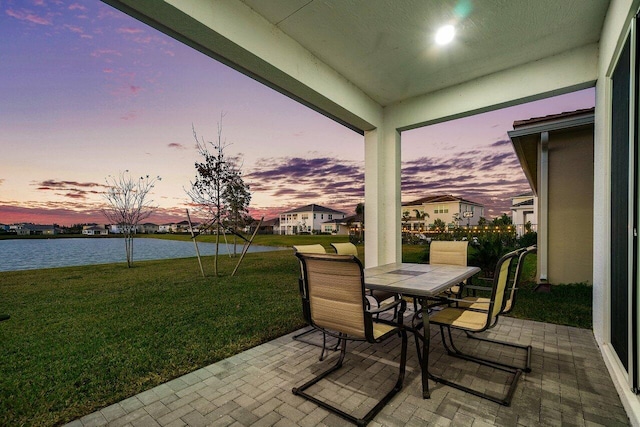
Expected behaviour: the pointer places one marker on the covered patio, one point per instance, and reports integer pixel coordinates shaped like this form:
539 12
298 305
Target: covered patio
373 66
569 386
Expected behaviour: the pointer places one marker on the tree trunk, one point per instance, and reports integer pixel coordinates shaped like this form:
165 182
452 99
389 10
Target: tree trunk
215 257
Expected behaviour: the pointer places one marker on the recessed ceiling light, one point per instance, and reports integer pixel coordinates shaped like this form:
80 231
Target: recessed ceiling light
445 34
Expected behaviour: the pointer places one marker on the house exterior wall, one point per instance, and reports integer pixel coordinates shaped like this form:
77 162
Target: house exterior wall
570 211
307 221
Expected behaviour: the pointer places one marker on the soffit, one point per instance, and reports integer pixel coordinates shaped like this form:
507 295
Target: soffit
385 47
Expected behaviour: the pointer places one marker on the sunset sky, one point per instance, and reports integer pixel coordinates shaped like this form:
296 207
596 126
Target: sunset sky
87 92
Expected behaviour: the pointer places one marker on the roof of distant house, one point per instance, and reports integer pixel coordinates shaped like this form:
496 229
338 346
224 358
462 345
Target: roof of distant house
439 199
271 222
313 208
528 202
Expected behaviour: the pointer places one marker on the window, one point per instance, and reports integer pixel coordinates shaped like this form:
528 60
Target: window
330 216
441 209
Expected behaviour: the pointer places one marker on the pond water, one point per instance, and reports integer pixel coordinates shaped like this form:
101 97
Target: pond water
30 254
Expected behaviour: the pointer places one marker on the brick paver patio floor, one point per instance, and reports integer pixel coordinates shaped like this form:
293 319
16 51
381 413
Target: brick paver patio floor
569 386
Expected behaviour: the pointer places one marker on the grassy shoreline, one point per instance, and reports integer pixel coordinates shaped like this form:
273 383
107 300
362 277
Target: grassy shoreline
82 338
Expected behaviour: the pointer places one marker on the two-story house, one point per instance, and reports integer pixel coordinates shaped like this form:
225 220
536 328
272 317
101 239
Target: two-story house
524 212
420 215
307 219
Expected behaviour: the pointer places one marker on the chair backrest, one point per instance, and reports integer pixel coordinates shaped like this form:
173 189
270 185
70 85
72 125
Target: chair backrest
309 249
452 253
345 249
334 289
500 281
511 301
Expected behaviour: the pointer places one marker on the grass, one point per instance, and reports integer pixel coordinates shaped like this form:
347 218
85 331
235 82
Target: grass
82 338
566 304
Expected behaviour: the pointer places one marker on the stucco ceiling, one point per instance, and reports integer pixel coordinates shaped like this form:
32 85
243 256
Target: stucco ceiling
386 48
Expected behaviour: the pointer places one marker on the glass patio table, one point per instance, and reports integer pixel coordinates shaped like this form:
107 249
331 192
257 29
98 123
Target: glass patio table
420 281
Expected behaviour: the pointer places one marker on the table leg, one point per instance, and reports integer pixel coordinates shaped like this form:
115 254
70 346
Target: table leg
425 350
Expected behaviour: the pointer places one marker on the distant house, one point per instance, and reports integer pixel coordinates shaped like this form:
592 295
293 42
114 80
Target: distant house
183 227
95 230
307 219
524 213
269 226
419 215
351 225
148 228
27 229
167 228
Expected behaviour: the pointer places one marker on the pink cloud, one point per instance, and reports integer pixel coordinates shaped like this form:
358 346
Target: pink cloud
77 6
135 89
128 30
175 145
131 115
25 15
107 70
74 29
102 52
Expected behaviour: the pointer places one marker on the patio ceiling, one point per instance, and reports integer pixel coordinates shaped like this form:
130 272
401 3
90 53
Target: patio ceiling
351 59
386 48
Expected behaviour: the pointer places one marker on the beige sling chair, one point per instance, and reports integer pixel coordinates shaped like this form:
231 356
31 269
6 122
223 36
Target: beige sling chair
309 249
445 253
334 301
480 303
478 320
449 253
351 249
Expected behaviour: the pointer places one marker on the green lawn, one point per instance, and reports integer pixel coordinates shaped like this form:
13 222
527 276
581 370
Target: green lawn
82 338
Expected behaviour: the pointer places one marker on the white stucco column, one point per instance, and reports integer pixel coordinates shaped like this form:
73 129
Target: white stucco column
543 205
382 197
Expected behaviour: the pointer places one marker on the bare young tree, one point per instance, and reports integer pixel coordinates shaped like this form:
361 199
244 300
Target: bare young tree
212 176
128 205
219 190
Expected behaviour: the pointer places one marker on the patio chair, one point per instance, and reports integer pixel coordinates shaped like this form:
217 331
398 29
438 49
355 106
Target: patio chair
478 320
480 303
377 295
451 253
4 317
334 301
447 253
309 249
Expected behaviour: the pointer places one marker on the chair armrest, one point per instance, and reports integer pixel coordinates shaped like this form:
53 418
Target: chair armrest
389 306
467 301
